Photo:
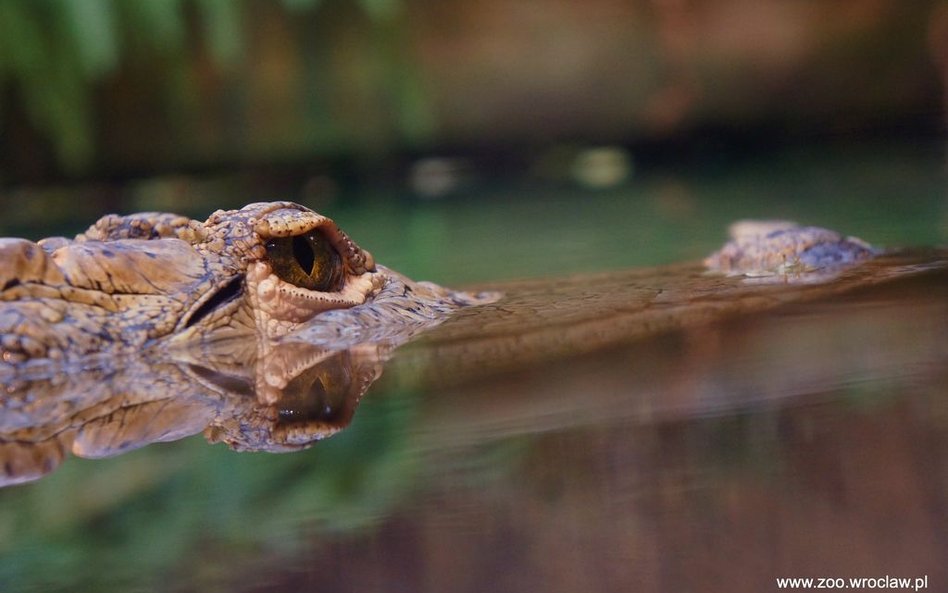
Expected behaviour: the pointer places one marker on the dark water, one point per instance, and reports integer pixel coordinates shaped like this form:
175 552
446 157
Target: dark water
808 440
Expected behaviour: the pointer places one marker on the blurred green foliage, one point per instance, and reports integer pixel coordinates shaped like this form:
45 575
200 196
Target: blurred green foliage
54 53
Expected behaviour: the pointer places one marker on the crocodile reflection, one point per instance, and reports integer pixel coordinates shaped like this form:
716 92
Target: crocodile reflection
306 393
301 390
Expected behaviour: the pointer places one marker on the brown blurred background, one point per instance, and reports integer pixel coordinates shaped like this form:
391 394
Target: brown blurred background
109 88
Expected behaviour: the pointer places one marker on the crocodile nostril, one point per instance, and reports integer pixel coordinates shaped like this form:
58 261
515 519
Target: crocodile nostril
224 294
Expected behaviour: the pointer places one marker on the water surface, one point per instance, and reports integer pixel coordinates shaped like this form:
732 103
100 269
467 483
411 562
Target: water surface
807 439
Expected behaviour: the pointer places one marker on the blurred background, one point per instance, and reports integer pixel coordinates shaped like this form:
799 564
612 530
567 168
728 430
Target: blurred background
196 103
110 88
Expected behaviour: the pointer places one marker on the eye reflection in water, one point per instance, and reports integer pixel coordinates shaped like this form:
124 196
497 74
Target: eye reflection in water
319 394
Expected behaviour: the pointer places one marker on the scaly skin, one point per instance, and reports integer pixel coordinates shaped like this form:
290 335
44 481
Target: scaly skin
770 248
160 281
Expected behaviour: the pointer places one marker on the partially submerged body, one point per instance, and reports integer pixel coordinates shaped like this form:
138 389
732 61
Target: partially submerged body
784 249
259 274
155 281
264 326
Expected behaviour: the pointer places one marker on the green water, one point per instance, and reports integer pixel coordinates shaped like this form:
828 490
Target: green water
890 197
501 228
446 491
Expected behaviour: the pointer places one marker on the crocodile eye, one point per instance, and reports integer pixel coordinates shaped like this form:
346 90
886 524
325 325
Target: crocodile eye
308 261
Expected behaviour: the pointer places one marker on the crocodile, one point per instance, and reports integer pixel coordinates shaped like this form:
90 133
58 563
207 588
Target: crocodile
163 282
263 327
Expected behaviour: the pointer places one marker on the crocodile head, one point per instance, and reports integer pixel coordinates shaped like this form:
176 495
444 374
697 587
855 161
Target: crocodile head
160 281
275 266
